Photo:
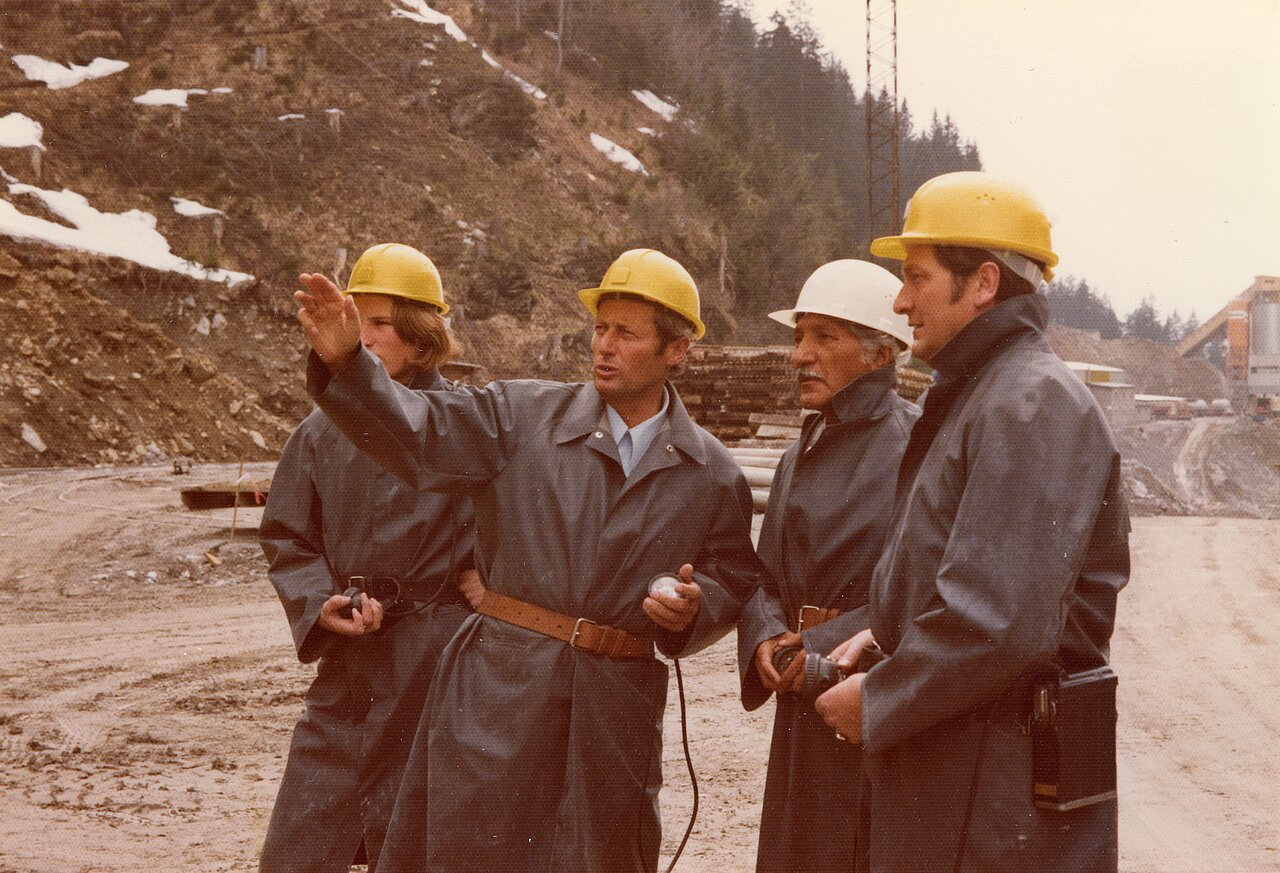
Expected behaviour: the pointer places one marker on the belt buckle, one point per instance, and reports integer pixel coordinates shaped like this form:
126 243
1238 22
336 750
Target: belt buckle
800 617
577 630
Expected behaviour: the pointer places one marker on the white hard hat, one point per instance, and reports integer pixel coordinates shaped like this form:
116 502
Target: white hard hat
856 291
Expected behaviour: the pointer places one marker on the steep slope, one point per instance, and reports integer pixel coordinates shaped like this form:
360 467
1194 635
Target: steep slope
432 146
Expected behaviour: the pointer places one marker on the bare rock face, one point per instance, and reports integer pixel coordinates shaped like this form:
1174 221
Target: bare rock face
90 44
499 285
200 368
495 115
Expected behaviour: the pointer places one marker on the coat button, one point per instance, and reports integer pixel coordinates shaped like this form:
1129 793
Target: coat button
599 434
670 448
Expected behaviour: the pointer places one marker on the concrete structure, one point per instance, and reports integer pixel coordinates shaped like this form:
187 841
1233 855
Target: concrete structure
1113 391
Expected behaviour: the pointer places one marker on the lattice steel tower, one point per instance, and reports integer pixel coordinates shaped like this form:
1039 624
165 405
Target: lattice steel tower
884 213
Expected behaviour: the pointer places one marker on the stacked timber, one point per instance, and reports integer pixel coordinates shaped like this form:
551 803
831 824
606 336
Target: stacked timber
746 395
723 386
912 382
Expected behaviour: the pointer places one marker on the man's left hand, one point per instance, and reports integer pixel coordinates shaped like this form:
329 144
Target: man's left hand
841 707
675 612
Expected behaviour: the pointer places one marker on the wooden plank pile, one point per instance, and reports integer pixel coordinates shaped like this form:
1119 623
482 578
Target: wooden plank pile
723 386
746 395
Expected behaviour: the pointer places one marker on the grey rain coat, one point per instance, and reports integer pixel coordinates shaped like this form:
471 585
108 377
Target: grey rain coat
334 513
829 510
1008 547
538 756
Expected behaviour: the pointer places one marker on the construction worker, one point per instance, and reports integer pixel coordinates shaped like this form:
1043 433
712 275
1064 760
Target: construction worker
543 750
1006 551
335 520
829 508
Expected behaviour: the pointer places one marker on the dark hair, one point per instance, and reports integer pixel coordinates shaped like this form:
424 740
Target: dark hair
422 325
962 262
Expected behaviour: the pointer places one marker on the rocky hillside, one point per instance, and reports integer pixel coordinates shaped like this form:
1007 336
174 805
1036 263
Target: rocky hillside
432 145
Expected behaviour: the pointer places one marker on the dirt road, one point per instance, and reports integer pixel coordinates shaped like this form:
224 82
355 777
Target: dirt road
149 691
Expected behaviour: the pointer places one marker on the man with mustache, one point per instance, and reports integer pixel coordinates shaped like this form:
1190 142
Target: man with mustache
1006 552
829 509
543 748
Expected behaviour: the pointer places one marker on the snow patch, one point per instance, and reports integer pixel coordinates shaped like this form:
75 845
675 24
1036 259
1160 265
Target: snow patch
130 235
527 87
192 209
657 104
292 116
420 12
173 96
58 76
163 97
647 131
617 154
19 132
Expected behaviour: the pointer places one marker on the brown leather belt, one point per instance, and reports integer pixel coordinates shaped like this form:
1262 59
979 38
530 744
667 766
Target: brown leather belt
812 616
580 633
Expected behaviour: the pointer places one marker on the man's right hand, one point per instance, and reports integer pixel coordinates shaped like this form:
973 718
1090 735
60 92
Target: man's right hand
846 654
790 678
365 620
330 319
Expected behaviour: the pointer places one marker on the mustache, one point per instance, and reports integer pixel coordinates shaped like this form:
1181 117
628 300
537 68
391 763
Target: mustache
801 375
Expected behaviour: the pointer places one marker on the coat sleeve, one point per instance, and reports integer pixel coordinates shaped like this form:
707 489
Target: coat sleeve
726 569
292 540
448 441
826 636
764 616
1034 469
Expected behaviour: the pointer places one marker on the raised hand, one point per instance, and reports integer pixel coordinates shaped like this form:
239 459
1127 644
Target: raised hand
330 319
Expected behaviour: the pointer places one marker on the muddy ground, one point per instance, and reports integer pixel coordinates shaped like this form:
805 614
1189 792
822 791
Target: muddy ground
149 687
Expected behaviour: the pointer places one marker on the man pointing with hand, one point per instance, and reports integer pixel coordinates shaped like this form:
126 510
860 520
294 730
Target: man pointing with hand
542 746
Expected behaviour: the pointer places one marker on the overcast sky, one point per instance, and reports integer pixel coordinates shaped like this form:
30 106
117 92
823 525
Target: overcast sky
1148 129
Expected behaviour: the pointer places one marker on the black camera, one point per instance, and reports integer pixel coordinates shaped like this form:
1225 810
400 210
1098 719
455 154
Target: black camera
384 589
820 672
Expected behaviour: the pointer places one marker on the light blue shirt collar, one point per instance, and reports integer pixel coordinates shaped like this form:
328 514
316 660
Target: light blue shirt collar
634 442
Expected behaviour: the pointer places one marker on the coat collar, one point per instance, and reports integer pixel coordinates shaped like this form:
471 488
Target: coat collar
585 415
1022 316
864 397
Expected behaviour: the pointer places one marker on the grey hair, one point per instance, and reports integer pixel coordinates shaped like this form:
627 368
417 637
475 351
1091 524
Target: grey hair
871 340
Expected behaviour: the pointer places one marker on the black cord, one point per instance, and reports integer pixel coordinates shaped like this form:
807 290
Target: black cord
688 758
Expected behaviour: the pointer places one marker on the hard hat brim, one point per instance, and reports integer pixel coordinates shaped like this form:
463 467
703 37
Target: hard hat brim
895 247
440 306
785 316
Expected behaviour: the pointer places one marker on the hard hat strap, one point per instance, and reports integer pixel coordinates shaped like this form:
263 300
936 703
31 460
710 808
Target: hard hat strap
1021 265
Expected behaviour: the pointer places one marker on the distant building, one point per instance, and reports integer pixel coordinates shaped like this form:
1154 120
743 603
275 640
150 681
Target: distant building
1114 393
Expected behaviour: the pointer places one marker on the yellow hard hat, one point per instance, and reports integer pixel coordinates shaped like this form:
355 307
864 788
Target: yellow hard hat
654 276
976 210
399 271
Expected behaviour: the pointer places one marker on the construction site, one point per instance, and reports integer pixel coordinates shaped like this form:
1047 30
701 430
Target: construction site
149 681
